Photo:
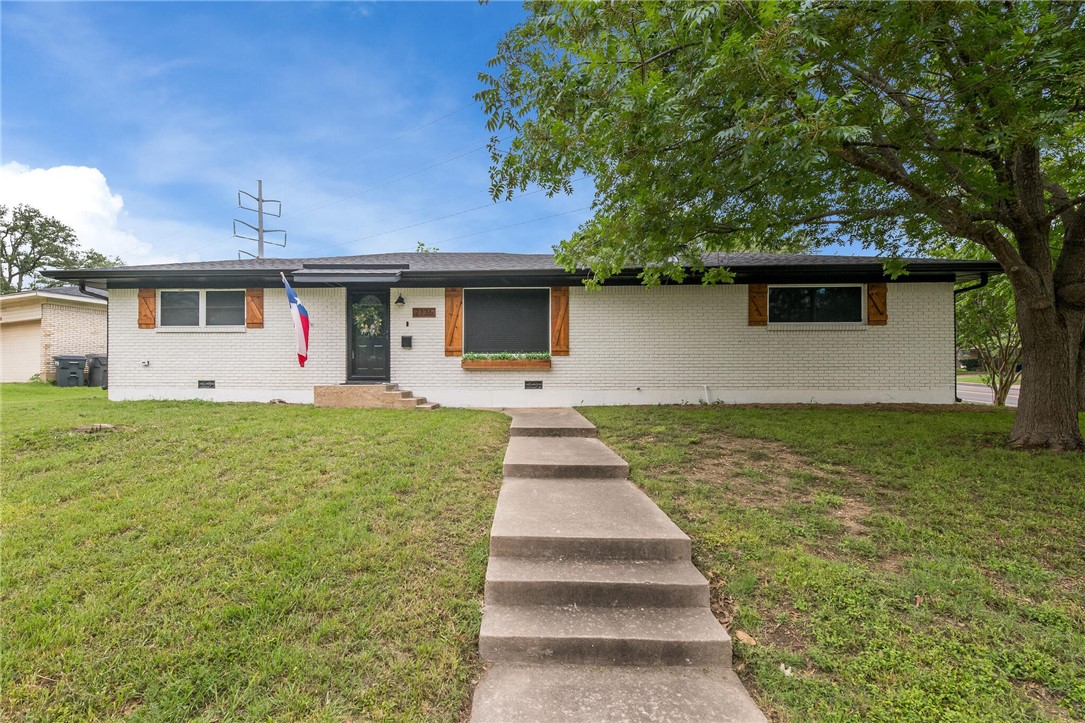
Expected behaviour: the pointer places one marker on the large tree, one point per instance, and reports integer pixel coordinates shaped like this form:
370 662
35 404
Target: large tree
31 242
731 125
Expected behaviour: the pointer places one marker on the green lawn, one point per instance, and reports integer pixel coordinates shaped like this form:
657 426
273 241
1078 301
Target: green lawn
241 561
900 563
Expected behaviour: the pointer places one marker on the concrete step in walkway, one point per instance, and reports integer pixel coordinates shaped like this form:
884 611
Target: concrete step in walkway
594 611
562 457
604 636
595 583
558 422
582 518
516 693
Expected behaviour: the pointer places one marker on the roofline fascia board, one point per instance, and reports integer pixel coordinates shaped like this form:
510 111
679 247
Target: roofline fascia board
78 299
414 282
224 278
44 293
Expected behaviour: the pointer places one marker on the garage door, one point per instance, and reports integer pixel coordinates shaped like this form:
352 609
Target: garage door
20 350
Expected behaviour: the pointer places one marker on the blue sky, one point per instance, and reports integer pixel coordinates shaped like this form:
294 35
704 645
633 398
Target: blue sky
137 123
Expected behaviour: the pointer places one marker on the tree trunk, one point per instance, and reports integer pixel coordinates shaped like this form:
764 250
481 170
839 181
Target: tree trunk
1047 411
1081 376
1001 389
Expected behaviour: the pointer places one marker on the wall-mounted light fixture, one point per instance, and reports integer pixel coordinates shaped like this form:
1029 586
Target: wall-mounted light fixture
400 301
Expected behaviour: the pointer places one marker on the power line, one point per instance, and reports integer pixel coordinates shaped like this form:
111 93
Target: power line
356 156
389 181
384 182
512 225
432 122
442 218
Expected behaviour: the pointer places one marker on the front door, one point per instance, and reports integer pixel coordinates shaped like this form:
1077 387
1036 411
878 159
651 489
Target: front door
367 313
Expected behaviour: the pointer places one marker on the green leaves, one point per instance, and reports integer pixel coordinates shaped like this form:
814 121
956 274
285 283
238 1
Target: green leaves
728 126
31 242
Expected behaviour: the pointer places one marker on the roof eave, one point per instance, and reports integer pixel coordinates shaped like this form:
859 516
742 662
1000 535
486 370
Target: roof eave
957 271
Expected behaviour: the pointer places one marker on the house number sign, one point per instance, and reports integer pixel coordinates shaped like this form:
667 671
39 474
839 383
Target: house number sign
424 312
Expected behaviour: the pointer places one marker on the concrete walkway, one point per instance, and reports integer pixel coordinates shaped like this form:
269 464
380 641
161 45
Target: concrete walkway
594 611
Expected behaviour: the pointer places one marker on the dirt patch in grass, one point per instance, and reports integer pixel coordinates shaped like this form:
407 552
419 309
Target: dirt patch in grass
1044 698
765 474
784 636
722 604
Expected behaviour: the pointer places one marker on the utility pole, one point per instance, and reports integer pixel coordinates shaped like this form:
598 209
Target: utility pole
260 212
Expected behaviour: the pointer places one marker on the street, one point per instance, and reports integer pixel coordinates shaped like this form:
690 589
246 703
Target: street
982 394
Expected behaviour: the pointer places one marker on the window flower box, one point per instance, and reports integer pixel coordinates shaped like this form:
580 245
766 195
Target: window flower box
504 364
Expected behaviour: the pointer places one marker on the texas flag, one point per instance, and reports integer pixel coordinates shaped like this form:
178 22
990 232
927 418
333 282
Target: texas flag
301 322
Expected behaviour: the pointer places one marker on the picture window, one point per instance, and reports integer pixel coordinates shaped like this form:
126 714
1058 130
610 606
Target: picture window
815 304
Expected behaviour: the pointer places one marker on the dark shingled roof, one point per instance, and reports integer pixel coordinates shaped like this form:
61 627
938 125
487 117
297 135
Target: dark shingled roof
447 267
430 261
72 291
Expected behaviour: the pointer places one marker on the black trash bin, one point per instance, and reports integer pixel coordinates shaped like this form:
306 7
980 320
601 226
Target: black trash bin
69 370
96 369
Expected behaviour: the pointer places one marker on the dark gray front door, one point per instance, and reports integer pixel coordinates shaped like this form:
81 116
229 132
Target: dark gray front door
367 313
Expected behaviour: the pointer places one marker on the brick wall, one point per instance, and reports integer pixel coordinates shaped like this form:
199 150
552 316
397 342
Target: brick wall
245 364
68 329
629 344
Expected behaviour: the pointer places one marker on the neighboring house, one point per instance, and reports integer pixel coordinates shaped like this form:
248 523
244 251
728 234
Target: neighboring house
792 328
35 325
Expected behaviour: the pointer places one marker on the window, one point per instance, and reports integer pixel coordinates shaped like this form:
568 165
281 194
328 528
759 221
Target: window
506 320
224 308
202 308
815 304
180 308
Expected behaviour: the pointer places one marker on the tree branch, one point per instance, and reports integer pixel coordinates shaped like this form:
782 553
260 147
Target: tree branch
960 150
1063 201
642 64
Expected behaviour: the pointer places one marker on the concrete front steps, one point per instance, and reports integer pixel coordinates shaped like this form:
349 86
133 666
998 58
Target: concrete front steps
368 396
590 694
593 610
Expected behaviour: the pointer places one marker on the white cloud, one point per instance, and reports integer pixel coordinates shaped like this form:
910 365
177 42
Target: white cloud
79 197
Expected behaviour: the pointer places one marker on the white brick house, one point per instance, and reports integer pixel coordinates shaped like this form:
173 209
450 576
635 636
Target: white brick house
791 329
39 324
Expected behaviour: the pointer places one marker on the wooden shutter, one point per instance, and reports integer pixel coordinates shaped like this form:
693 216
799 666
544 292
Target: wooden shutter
759 305
877 314
147 314
254 308
453 322
559 321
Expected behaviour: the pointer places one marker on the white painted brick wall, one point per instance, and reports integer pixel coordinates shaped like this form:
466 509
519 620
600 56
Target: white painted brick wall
631 345
248 365
628 345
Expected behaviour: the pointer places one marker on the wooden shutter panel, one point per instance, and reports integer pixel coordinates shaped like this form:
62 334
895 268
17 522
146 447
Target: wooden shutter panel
559 321
453 322
254 308
147 314
877 314
759 305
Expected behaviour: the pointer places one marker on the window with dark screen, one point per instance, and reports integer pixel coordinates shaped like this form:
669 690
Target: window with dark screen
506 320
202 308
815 304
